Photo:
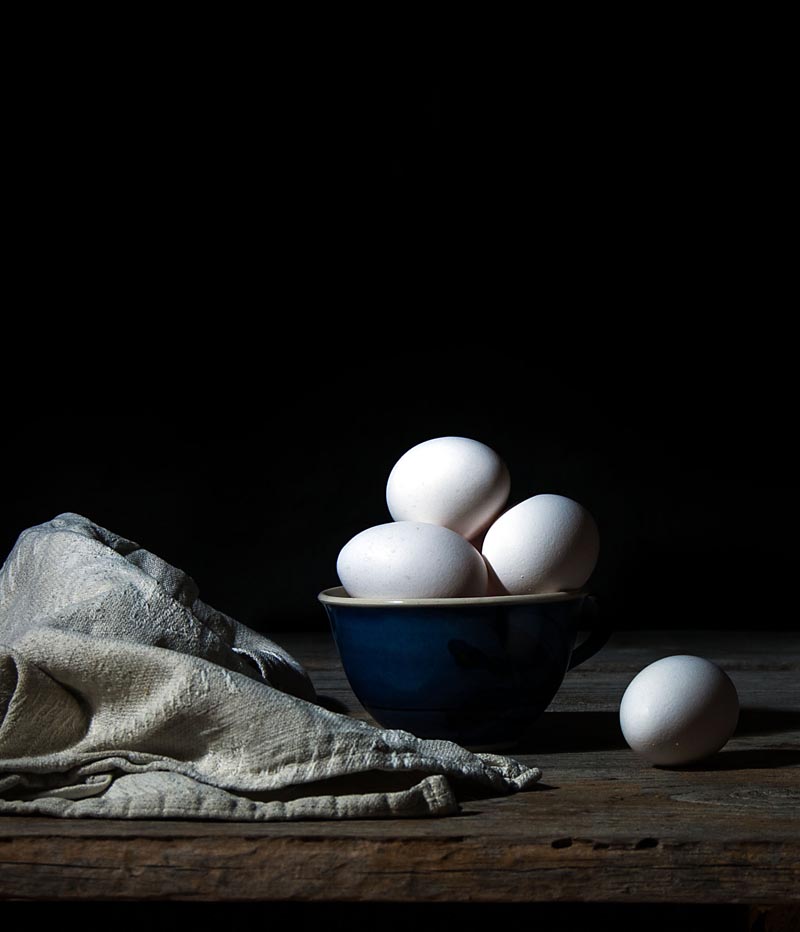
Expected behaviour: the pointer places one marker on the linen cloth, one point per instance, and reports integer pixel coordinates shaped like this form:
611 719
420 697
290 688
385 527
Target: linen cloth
124 695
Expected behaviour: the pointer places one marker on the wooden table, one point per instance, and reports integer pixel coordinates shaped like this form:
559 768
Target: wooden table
602 827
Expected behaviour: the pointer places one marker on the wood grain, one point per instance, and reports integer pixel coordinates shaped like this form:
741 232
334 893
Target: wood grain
602 826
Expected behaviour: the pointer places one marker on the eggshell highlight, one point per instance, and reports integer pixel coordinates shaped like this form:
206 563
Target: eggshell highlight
547 543
454 482
410 560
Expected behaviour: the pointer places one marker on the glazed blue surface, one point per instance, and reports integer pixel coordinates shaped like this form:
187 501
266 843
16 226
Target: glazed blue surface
478 674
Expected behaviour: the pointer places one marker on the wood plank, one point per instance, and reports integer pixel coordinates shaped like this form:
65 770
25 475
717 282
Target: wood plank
389 870
602 826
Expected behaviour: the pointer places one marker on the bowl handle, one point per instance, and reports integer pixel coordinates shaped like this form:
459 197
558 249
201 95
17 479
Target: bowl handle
598 636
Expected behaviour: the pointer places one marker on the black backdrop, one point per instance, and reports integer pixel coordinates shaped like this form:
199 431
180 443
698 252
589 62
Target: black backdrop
192 206
254 487
248 293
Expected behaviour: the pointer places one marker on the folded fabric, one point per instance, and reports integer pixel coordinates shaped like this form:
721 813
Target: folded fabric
123 695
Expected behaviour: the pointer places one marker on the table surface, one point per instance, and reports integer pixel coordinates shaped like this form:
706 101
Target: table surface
602 825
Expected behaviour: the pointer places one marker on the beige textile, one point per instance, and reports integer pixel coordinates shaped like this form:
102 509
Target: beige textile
123 695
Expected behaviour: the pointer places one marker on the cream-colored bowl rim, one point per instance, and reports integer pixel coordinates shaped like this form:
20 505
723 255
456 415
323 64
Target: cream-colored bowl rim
338 596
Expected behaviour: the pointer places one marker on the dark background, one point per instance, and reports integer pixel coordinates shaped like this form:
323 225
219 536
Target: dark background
244 284
248 264
254 491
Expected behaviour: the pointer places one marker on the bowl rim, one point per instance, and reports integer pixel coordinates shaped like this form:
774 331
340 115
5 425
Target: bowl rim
336 595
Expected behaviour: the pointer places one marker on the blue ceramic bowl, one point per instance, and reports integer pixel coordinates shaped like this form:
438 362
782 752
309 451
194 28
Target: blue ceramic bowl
477 671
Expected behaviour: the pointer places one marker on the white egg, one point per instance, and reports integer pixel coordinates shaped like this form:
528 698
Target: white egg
410 560
678 710
548 543
455 482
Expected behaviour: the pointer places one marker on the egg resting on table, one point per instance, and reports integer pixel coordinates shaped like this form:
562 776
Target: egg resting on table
678 710
547 543
455 482
410 560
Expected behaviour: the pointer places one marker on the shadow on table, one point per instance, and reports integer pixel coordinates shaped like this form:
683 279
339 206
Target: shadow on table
745 759
600 731
332 704
574 731
766 721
